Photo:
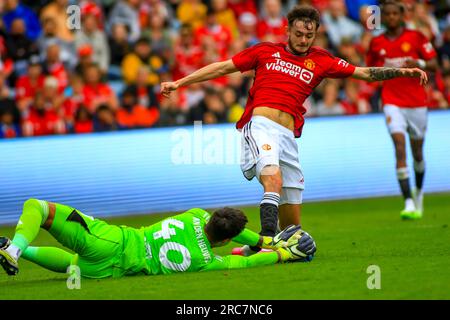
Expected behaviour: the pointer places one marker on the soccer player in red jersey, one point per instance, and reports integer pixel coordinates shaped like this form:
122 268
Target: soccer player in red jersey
285 75
404 100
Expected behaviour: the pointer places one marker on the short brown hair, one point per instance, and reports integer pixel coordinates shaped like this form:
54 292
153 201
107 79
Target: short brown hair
398 4
305 13
225 223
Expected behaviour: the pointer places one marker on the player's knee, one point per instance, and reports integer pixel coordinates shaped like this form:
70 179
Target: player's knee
271 179
38 207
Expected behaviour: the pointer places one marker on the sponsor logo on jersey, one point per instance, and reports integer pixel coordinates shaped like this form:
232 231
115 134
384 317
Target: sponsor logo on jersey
276 55
396 62
290 69
309 64
406 46
266 147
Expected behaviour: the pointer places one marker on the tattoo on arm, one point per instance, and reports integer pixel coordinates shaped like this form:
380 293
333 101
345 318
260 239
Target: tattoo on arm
380 74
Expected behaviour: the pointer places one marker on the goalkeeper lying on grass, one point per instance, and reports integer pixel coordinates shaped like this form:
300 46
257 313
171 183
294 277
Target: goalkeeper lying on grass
179 243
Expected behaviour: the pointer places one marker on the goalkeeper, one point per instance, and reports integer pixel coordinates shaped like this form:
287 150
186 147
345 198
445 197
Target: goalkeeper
176 244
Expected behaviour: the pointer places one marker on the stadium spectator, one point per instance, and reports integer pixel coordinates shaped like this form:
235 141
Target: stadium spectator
19 47
49 37
29 84
444 50
188 54
105 120
241 6
215 32
172 112
423 20
155 7
133 115
9 113
330 105
96 92
225 16
247 29
73 100
90 7
83 121
272 25
42 120
339 26
8 127
142 55
144 93
15 10
160 36
192 12
119 45
126 12
53 66
210 110
234 108
57 11
85 59
355 101
92 35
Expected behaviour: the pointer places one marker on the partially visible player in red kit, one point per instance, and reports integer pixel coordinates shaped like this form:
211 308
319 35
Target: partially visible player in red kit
285 75
404 100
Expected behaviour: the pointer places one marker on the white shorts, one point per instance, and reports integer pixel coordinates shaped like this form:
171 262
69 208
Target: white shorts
265 142
406 120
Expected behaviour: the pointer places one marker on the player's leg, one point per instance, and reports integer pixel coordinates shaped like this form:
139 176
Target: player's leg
289 214
260 158
402 172
419 171
417 124
397 126
34 215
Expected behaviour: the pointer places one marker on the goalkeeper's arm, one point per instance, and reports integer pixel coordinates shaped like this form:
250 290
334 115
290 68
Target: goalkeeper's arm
251 238
236 262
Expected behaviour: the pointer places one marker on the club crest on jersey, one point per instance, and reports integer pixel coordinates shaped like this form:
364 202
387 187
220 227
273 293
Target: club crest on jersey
309 64
266 147
406 46
289 68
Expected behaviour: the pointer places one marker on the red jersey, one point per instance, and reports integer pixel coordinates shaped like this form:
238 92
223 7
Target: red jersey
37 124
276 29
283 80
91 93
386 52
26 89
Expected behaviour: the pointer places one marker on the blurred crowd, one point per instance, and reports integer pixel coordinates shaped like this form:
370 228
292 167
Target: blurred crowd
95 65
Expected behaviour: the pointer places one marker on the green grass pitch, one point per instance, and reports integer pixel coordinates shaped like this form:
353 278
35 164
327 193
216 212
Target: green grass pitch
351 235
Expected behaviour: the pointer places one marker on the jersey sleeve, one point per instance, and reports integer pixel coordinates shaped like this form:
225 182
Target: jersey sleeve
247 59
248 237
339 68
426 50
238 262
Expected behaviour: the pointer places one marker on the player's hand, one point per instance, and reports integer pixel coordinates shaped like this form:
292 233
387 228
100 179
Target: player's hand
168 87
301 250
282 239
416 73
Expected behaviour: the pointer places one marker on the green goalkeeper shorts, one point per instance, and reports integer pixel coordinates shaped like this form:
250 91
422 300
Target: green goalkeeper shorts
100 246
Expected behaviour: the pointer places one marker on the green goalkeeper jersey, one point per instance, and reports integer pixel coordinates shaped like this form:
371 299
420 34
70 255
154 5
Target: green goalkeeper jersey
179 244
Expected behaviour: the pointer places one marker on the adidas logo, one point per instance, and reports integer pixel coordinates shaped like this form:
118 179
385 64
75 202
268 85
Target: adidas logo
276 55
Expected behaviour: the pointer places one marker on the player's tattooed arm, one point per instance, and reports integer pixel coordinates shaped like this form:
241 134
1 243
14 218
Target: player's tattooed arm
380 74
387 73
